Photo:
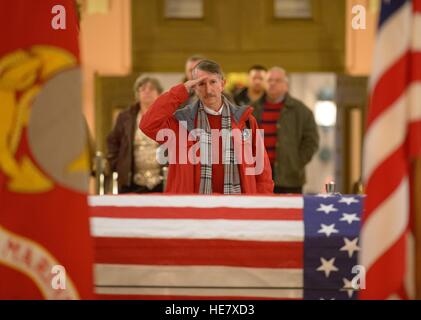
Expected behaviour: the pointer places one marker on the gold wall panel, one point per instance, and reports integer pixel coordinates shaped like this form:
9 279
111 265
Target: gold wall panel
238 33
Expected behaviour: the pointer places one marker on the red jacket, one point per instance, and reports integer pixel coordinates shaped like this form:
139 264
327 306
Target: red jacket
185 177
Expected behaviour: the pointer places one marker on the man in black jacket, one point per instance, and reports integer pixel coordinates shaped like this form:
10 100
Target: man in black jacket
291 135
255 89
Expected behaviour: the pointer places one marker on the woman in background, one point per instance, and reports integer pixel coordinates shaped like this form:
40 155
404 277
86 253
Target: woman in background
131 153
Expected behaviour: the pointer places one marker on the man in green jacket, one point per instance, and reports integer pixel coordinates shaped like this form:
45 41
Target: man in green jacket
291 136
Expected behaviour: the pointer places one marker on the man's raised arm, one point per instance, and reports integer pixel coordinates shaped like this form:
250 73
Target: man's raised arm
160 114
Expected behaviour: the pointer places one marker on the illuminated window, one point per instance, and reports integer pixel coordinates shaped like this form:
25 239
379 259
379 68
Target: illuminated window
183 9
289 9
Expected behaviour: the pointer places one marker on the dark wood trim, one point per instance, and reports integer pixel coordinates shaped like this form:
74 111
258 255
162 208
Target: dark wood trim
351 92
111 93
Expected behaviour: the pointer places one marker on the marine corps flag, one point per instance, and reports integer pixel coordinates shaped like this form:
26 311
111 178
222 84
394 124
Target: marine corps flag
45 246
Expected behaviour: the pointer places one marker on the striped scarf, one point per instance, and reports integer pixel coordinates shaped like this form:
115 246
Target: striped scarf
231 176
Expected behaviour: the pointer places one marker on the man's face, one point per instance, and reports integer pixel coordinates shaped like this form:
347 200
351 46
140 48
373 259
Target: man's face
147 93
257 80
209 90
189 67
277 85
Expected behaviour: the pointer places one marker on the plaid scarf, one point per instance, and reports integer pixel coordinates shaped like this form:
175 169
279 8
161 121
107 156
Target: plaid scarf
231 176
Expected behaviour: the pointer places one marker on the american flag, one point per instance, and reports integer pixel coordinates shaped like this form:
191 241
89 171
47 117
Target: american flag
392 140
225 247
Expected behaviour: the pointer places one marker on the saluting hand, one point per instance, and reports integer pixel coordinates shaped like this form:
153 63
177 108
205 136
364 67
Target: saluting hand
190 84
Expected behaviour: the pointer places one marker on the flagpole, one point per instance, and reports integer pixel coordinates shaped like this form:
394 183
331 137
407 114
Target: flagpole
417 209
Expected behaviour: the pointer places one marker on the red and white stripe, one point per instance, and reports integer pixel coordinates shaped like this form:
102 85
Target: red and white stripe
175 247
392 140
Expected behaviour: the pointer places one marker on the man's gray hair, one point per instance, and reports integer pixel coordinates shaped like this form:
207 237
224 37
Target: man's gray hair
210 67
281 70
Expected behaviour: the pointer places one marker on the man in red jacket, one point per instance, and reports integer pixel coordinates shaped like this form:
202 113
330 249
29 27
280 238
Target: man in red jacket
214 147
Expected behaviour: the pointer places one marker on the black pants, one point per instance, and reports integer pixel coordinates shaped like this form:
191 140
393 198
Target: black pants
284 190
134 188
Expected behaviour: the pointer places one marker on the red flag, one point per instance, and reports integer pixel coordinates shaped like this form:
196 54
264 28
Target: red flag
45 245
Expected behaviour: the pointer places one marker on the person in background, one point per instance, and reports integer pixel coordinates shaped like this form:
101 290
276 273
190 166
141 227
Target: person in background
218 169
290 132
256 86
130 152
191 62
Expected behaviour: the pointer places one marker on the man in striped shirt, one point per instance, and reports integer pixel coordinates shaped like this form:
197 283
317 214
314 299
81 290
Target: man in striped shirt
291 136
